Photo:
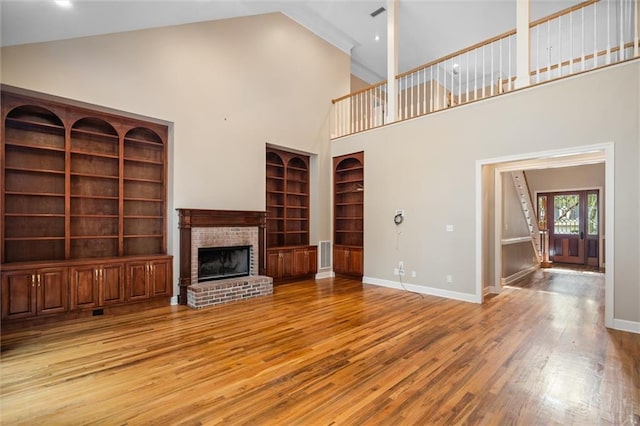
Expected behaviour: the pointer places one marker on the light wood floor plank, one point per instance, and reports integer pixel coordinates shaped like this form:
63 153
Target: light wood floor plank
335 352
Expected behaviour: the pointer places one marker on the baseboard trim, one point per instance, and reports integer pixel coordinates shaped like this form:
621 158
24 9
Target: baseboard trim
322 275
519 275
430 291
624 325
491 289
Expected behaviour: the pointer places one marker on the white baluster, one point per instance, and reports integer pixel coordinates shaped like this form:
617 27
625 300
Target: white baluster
491 79
635 28
468 64
431 90
412 94
571 43
500 68
509 81
475 76
459 82
483 76
559 46
549 47
608 59
595 35
424 90
582 59
621 55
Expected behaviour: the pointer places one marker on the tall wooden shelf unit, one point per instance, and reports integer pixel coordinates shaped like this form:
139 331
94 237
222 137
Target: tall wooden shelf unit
84 202
348 214
289 254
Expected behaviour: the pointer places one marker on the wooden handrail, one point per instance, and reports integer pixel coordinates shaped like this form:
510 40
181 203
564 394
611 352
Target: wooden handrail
475 46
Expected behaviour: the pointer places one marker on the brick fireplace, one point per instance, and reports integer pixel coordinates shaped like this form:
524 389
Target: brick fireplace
221 228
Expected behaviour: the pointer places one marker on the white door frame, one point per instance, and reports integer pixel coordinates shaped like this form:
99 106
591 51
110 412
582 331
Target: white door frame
537 160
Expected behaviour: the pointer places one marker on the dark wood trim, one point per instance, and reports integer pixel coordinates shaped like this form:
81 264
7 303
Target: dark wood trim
199 218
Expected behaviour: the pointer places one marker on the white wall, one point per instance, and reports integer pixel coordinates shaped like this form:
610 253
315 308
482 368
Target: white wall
427 167
229 87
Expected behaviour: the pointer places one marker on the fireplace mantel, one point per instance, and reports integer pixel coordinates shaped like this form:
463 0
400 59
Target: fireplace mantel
199 218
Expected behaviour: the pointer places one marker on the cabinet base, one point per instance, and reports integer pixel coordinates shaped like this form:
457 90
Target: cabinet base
89 313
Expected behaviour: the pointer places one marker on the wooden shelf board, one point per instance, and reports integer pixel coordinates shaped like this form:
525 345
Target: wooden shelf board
60 215
94 176
93 133
94 216
349 204
299 169
275 165
24 145
130 179
140 160
153 200
97 197
141 217
35 194
144 142
143 236
96 237
31 170
33 238
359 180
36 124
94 154
349 169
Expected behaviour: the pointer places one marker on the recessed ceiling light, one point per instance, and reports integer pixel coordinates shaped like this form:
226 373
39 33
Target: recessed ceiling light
64 3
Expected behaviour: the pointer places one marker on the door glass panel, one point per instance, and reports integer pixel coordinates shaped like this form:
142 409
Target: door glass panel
566 214
592 214
542 212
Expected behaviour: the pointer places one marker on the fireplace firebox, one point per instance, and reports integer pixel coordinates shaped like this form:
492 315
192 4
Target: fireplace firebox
217 263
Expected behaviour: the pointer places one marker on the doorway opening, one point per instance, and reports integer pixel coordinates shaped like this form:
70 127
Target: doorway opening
572 222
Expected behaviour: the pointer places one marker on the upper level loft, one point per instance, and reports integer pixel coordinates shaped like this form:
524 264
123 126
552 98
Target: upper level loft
585 37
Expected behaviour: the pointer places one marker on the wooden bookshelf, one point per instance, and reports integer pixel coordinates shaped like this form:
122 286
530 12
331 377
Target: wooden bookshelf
287 205
79 184
348 214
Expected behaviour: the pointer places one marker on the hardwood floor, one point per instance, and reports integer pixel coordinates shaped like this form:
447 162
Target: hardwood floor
335 352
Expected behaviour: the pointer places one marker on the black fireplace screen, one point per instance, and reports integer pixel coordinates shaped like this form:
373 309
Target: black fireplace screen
216 263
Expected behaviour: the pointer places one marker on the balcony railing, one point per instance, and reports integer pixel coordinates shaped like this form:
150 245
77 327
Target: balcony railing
587 36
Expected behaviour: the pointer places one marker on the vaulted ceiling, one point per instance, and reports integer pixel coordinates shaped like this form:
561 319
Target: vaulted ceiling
427 29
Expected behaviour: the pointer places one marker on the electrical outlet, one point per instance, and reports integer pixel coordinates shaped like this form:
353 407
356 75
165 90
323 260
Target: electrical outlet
449 279
396 271
413 274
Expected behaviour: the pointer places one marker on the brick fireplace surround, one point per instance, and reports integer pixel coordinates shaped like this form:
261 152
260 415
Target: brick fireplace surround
217 228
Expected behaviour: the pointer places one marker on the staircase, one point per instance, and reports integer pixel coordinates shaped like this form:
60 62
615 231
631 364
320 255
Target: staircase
522 189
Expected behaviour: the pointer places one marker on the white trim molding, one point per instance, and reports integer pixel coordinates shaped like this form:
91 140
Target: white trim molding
586 154
323 275
519 275
420 289
624 325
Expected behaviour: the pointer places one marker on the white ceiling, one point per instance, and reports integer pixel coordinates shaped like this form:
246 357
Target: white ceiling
427 29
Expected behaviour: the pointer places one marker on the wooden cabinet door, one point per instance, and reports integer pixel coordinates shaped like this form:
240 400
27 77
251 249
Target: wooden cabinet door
52 284
304 261
112 284
18 294
300 262
273 264
137 282
286 257
313 260
160 273
85 293
355 261
340 260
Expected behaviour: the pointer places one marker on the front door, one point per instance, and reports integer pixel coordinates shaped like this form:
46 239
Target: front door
572 223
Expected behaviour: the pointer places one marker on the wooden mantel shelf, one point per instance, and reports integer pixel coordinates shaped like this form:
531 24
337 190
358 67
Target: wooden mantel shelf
200 218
